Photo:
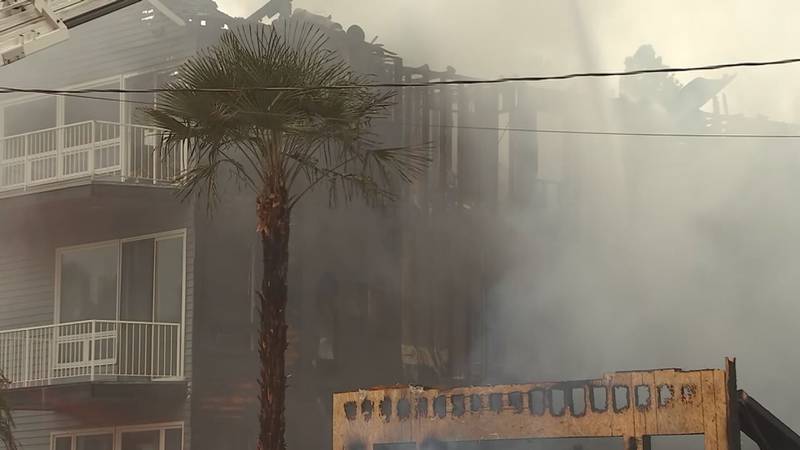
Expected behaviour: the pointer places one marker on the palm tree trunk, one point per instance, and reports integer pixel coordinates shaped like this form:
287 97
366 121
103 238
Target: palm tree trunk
6 421
273 227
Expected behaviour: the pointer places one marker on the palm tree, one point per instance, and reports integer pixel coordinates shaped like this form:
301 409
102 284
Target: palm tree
6 421
281 144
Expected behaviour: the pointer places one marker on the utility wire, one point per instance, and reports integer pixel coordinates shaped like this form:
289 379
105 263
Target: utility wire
626 133
7 90
506 130
107 99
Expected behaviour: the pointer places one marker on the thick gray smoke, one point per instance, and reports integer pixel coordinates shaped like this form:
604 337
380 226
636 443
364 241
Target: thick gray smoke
674 252
656 251
517 37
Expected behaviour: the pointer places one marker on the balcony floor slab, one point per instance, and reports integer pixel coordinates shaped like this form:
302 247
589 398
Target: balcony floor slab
66 397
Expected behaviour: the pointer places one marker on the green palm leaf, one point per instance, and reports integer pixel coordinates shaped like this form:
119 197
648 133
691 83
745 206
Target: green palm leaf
281 144
297 139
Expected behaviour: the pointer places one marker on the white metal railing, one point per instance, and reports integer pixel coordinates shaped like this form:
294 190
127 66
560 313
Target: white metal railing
91 350
86 150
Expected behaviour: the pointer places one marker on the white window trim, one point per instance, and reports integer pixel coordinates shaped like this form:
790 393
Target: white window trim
116 433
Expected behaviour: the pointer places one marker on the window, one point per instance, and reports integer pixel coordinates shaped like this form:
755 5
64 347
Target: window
147 437
89 283
141 440
144 81
138 279
168 279
30 116
136 292
173 439
81 109
62 443
94 442
87 441
164 438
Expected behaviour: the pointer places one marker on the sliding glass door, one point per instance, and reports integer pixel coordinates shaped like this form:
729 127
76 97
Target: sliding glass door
168 292
137 280
134 288
88 287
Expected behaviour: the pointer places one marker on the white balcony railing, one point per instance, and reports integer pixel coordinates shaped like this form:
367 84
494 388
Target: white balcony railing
91 350
91 149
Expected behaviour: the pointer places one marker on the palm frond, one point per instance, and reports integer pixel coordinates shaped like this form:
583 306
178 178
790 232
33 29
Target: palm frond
295 139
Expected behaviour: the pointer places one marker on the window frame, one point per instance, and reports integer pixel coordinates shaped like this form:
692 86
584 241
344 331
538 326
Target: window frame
26 100
114 82
60 100
59 257
117 431
94 83
118 243
77 433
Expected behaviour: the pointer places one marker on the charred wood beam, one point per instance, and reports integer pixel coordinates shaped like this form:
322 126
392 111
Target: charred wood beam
769 432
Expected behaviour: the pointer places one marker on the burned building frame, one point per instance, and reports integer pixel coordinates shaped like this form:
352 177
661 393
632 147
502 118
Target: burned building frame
635 406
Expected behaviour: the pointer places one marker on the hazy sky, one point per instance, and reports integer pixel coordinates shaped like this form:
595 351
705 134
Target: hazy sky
519 37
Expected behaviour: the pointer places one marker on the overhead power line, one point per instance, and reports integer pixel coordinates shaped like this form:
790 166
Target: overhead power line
506 130
462 82
626 133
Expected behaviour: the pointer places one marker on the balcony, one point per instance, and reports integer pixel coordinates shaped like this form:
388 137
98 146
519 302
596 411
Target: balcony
83 152
92 350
